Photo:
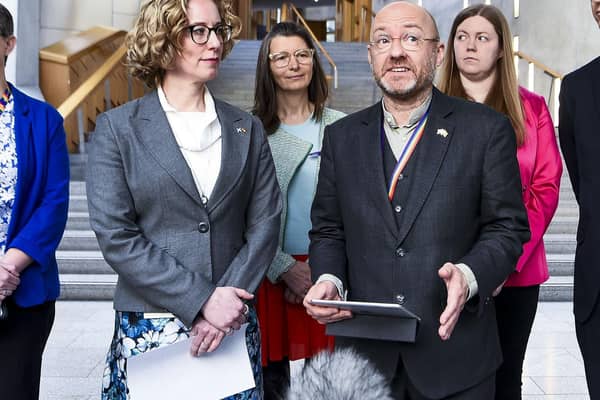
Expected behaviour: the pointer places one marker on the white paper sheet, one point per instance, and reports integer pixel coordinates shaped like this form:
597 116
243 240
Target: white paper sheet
170 372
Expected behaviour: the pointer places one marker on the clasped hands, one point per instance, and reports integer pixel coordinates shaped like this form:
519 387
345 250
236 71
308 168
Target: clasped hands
456 287
224 312
9 280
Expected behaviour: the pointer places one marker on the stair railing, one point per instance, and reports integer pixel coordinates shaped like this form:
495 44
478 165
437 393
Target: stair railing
119 87
317 42
556 79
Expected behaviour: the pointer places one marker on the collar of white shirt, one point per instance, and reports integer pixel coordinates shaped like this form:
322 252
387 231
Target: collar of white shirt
194 131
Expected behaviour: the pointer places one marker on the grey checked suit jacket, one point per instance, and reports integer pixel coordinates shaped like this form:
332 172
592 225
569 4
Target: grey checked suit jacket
169 251
460 200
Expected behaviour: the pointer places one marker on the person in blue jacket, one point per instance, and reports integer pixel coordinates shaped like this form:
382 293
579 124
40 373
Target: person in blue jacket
34 197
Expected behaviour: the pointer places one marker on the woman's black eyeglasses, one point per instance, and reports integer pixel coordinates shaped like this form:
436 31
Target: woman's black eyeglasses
201 33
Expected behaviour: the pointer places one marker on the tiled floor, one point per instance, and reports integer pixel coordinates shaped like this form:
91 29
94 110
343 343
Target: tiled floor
74 358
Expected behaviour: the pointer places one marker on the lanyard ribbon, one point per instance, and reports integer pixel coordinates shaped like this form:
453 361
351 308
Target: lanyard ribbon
407 152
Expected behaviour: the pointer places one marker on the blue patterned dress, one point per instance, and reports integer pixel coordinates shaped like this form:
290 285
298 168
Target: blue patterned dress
8 168
135 335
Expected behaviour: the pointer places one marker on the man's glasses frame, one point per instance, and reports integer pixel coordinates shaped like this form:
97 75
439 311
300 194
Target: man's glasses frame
408 41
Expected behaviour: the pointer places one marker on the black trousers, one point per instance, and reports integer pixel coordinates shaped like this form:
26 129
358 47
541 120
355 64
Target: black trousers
515 312
276 379
403 389
588 337
23 337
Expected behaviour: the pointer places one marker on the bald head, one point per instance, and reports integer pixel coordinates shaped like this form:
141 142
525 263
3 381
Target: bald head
403 12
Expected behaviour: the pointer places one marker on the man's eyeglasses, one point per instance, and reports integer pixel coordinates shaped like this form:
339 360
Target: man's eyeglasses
302 56
408 41
201 33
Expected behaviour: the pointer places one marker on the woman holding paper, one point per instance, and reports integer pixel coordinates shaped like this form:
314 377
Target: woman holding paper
182 194
291 92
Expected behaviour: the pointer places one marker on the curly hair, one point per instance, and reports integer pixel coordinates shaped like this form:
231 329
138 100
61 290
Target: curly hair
156 37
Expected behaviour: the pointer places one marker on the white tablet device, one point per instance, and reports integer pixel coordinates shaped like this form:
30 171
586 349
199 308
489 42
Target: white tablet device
363 307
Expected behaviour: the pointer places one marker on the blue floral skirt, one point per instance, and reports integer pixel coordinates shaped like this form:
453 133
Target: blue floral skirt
135 335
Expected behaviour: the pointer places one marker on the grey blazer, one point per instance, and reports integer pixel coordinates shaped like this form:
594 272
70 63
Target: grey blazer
169 251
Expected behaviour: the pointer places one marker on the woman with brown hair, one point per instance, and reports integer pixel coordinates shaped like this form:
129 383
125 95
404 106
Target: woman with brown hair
479 67
290 96
182 194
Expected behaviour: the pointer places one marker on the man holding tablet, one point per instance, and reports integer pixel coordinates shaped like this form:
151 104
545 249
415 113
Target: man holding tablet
418 203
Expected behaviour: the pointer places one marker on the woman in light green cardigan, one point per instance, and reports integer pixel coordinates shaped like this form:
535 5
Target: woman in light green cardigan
290 96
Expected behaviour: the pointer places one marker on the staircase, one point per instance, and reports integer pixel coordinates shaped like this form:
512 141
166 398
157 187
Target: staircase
85 275
356 89
560 241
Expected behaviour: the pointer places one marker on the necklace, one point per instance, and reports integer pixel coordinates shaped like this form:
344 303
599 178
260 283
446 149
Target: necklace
4 99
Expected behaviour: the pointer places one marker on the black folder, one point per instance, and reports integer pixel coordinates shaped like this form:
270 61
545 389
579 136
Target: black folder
378 321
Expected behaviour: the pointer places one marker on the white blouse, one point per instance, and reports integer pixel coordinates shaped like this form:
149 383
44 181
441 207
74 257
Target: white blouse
198 135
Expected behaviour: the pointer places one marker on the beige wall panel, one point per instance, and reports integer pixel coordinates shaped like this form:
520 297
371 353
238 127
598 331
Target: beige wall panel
75 14
123 21
131 7
50 36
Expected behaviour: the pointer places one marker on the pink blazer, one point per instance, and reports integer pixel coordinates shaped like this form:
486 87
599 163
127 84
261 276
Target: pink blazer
541 169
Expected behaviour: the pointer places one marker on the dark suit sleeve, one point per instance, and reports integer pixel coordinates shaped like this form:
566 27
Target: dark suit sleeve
327 243
140 263
566 133
262 220
504 226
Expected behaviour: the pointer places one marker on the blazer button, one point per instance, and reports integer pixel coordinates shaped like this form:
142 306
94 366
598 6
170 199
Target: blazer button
203 227
400 177
398 209
400 299
400 252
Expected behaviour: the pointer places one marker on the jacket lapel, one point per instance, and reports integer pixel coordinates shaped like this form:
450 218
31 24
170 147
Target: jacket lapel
23 142
236 128
370 159
427 160
153 130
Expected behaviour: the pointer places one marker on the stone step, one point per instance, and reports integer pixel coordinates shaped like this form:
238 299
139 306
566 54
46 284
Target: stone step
557 288
561 264
79 240
82 262
76 188
560 243
87 286
562 224
78 202
78 220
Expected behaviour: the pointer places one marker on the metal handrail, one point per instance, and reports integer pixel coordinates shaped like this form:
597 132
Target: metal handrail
318 43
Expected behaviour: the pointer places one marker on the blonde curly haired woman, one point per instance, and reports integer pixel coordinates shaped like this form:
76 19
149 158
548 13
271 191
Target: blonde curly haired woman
182 195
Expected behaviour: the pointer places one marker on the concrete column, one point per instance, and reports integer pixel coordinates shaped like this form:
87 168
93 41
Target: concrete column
22 68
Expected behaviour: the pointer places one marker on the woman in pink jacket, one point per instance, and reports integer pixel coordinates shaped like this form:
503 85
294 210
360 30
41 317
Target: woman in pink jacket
479 67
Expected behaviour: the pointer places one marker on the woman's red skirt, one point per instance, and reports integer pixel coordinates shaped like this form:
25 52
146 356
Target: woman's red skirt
286 330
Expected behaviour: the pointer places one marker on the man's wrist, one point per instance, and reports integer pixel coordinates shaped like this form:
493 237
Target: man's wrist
336 281
472 287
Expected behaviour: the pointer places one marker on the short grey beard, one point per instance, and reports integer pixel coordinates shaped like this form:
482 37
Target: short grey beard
413 90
